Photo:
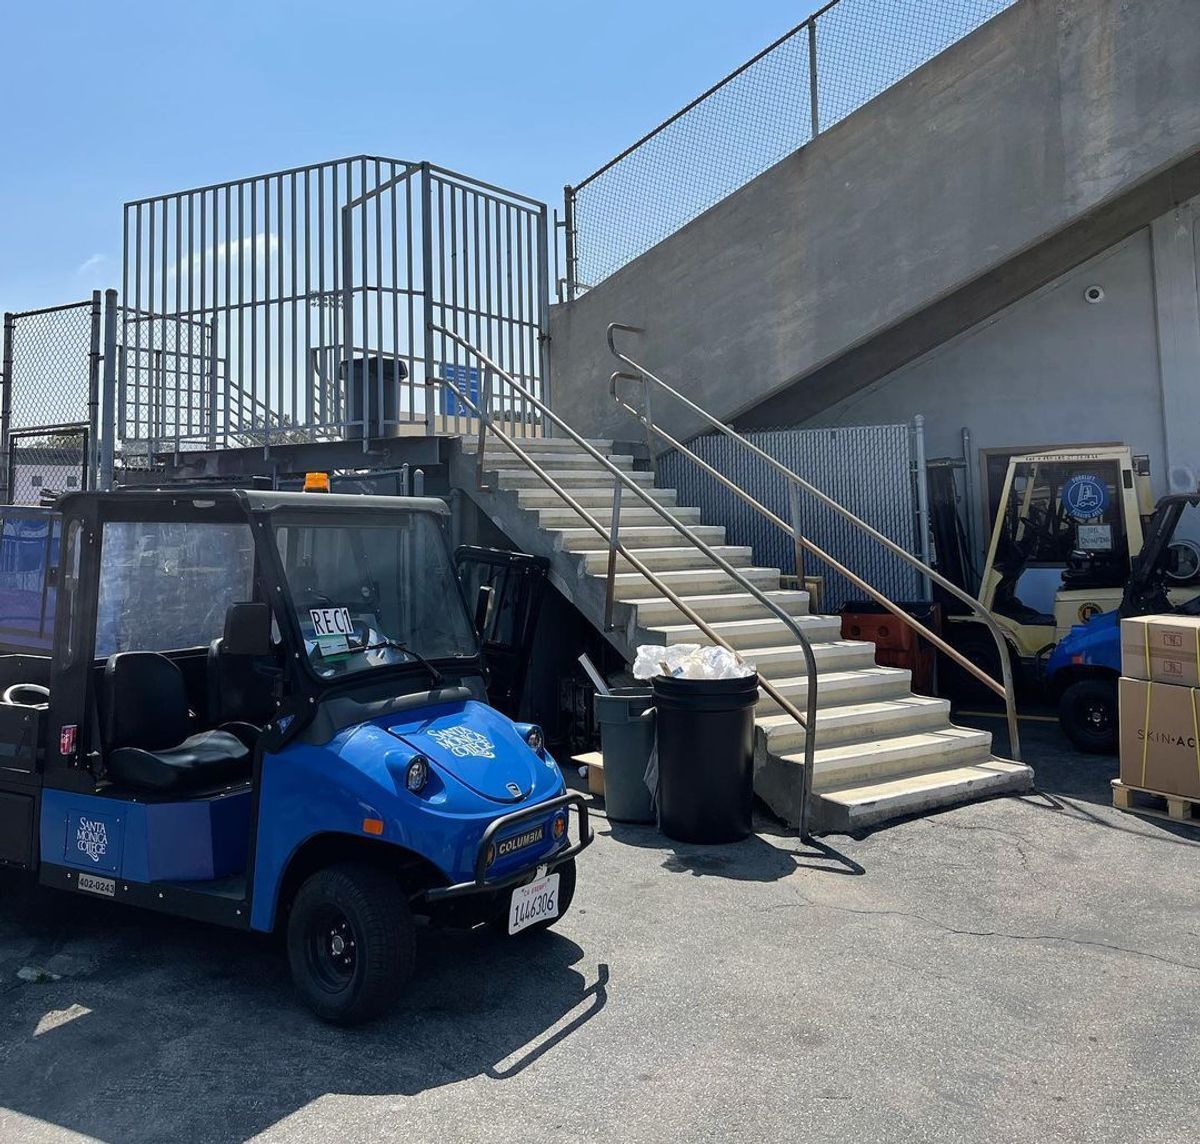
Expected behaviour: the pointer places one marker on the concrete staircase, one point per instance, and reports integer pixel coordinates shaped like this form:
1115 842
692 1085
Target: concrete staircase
882 752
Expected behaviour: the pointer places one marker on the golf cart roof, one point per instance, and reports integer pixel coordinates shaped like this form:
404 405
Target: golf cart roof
250 500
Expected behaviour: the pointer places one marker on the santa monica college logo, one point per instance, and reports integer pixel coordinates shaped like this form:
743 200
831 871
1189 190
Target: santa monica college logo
91 837
463 743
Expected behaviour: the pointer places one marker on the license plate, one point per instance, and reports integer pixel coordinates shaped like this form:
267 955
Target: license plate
537 902
94 885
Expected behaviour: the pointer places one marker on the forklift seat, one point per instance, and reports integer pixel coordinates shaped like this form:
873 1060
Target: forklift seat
145 731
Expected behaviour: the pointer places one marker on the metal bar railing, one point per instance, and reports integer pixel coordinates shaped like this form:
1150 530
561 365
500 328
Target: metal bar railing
623 482
1003 689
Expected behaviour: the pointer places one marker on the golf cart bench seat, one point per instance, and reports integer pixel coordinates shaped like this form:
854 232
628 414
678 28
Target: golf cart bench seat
146 725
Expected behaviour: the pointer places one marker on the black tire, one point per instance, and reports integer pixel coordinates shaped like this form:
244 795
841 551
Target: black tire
976 644
350 943
566 895
1087 713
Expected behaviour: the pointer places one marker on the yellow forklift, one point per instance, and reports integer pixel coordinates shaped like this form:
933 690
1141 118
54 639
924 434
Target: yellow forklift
1067 524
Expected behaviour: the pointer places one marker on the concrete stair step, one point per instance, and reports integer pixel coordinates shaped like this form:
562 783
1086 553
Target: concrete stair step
578 460
873 760
720 606
695 582
778 777
787 660
857 722
669 558
748 633
632 516
599 497
523 478
639 536
837 688
535 445
866 804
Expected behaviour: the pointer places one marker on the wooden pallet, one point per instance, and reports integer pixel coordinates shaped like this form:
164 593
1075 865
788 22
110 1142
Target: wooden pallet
1155 804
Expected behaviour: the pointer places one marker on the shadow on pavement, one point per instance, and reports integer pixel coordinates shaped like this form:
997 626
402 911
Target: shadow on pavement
754 859
158 1024
1066 780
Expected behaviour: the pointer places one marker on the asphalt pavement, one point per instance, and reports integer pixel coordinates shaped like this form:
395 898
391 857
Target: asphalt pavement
1024 969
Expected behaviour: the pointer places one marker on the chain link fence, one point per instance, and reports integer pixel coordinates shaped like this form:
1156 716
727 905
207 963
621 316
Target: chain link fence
50 362
801 85
868 469
45 462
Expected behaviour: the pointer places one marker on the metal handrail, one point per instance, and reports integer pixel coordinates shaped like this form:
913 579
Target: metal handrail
621 481
797 483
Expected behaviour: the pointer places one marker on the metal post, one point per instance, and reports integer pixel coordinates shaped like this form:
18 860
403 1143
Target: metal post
813 86
968 490
6 367
648 417
418 482
347 253
569 228
483 416
108 395
543 305
922 479
427 288
797 531
92 459
212 383
610 585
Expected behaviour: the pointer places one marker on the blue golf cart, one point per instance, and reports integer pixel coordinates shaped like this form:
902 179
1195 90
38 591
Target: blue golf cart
267 710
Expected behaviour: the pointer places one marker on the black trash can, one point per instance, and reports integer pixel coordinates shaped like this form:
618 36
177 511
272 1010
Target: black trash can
705 757
626 718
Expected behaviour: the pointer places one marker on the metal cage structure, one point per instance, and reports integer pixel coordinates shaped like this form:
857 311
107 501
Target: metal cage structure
300 305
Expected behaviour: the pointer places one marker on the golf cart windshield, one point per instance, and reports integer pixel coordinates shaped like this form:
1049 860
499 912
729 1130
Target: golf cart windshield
379 592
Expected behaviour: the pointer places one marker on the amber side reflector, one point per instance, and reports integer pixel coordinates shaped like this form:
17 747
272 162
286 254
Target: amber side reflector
372 825
316 482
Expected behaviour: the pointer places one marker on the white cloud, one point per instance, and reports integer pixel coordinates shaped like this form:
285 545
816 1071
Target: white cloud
234 250
90 264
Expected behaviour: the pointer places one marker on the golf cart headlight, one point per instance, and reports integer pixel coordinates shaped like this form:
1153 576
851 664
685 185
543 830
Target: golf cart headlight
417 775
535 739
491 853
560 826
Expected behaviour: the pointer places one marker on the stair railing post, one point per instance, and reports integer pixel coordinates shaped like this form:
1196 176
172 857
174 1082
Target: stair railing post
610 584
486 398
797 531
648 417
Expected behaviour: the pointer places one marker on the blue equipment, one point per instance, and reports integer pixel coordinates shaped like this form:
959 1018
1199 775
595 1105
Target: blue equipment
1081 672
267 710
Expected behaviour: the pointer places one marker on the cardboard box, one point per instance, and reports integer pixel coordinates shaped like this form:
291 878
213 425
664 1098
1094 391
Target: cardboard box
1160 750
1165 649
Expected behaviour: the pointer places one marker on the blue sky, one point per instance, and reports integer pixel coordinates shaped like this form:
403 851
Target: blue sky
104 103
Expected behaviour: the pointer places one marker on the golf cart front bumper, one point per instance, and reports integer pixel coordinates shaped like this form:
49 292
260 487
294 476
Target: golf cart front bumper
485 885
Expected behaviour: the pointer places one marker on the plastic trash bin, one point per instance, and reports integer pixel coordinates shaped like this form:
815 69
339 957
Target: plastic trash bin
705 757
626 719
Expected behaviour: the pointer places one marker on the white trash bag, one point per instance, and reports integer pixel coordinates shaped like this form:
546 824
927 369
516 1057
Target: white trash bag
689 661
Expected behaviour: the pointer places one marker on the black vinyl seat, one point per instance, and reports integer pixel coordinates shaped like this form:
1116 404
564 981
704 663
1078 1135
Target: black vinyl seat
146 727
240 695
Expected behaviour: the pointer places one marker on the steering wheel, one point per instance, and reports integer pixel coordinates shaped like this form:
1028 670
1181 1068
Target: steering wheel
26 694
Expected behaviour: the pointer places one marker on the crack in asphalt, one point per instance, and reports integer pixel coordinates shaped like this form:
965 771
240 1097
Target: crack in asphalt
1049 937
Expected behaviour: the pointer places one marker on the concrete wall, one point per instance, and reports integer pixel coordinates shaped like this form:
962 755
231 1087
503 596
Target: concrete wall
1054 369
1051 114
